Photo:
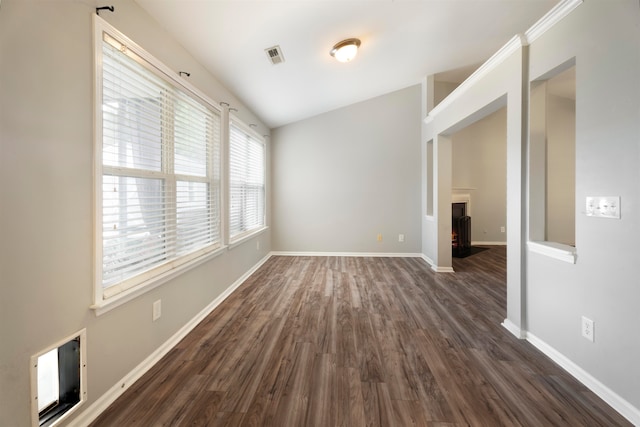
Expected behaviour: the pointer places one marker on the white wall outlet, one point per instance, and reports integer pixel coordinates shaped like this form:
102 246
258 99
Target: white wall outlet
157 310
603 207
588 330
258 245
379 237
401 238
502 229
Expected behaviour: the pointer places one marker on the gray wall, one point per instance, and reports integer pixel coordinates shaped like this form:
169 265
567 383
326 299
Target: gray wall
604 38
547 299
479 154
344 177
46 218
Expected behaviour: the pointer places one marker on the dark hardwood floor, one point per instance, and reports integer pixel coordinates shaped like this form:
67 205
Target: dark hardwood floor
341 341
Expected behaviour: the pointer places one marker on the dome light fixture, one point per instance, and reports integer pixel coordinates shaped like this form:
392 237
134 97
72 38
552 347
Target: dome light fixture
345 50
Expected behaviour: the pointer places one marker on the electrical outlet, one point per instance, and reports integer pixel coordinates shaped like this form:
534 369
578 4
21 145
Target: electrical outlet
588 330
157 310
502 229
258 245
401 238
379 237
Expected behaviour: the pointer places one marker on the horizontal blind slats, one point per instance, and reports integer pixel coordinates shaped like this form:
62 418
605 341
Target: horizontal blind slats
150 124
246 182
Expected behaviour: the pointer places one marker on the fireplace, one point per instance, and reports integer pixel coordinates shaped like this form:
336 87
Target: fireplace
460 230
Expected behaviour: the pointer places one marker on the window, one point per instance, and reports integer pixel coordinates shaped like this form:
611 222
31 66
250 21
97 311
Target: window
58 380
158 166
246 181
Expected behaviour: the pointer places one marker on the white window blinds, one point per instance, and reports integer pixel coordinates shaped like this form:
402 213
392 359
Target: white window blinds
246 182
160 170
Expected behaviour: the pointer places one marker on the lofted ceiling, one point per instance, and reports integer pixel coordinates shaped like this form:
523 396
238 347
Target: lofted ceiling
402 42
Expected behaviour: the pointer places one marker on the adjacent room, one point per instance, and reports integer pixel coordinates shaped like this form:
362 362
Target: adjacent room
296 213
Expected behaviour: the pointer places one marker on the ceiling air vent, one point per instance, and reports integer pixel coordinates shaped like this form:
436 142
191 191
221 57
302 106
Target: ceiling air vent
275 55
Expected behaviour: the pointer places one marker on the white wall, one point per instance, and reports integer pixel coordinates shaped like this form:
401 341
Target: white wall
46 181
343 177
479 169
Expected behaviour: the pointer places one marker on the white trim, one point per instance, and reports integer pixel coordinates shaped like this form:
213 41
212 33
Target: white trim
496 59
129 294
554 250
349 254
442 269
625 408
102 403
434 267
236 121
430 218
427 260
100 26
241 238
482 243
105 299
514 329
462 198
552 17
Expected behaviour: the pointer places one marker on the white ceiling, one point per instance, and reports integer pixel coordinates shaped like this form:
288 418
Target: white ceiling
402 41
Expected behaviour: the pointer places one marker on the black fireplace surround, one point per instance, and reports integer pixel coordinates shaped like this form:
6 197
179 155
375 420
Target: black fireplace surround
460 230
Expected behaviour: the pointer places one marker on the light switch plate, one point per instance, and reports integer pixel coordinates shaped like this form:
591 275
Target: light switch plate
604 207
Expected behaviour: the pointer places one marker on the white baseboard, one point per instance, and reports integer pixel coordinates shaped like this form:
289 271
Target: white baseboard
514 329
621 405
434 267
438 269
488 243
427 260
92 412
348 254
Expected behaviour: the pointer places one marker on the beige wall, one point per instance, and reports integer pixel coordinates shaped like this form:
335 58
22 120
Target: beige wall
561 170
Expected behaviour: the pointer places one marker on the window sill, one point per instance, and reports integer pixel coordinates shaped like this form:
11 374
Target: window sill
104 306
554 250
246 236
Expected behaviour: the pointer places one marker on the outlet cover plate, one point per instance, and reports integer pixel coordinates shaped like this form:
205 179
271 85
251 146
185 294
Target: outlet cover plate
157 310
588 331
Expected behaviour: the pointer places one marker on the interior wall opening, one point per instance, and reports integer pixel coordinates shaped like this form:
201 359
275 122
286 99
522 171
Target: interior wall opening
553 156
479 181
430 187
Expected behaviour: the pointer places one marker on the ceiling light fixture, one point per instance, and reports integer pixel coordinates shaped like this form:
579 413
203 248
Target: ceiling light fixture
345 50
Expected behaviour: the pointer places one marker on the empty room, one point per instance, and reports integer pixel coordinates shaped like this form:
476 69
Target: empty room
319 213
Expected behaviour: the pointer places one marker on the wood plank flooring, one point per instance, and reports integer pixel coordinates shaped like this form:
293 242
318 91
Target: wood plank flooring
341 341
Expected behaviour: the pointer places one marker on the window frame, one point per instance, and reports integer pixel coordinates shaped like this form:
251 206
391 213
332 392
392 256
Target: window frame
172 267
244 235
